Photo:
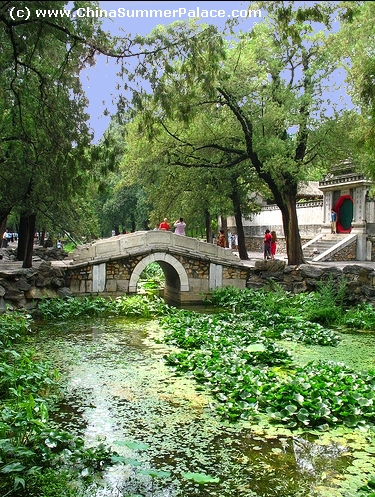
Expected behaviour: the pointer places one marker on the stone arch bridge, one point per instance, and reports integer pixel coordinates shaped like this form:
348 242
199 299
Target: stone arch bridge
112 266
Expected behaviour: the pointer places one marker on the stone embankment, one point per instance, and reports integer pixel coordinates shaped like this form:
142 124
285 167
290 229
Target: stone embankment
359 278
50 278
23 288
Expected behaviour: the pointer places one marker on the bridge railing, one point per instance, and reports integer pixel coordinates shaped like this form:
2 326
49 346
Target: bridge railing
144 241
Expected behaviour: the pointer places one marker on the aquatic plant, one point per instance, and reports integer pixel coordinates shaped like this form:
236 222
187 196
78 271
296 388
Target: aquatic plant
236 357
136 306
361 317
33 453
325 306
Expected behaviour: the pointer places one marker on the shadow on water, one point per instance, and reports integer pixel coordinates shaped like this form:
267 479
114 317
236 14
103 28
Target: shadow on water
119 391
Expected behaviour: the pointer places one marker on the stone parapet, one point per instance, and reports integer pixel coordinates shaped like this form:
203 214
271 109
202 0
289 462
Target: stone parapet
119 246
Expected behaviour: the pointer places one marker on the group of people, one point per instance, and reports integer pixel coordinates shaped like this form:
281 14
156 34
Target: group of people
270 237
8 237
232 240
221 240
179 226
270 241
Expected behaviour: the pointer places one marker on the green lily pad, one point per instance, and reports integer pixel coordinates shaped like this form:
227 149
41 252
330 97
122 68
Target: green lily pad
132 445
200 478
155 473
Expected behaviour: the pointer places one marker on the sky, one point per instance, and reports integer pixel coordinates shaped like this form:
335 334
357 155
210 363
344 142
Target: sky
99 82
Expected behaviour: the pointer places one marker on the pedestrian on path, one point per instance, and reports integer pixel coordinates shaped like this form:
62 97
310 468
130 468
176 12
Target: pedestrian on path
221 240
267 245
273 244
333 221
164 225
5 239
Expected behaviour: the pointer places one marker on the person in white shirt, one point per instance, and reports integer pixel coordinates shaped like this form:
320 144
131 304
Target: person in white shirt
180 227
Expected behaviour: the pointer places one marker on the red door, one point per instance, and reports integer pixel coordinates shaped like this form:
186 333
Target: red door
344 209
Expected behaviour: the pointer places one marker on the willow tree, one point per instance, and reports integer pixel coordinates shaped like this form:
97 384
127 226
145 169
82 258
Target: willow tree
180 173
172 191
43 126
271 83
44 136
356 46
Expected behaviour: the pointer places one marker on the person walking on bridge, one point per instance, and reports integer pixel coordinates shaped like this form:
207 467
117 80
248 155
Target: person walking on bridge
179 227
164 225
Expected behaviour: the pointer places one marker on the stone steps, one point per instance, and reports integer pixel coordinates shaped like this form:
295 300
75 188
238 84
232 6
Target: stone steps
321 245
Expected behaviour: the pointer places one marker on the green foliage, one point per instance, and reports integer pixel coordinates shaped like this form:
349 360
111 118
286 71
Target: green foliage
145 306
69 247
71 307
321 395
137 306
45 135
324 306
205 126
152 272
53 483
13 327
368 490
361 317
200 478
152 279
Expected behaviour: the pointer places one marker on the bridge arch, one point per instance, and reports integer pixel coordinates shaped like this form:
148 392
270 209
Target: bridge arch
176 279
192 268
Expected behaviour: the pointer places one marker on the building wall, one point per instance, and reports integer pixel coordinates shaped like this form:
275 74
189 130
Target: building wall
310 218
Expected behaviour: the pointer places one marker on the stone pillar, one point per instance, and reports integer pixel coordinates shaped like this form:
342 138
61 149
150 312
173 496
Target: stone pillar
327 207
359 221
359 206
216 276
99 277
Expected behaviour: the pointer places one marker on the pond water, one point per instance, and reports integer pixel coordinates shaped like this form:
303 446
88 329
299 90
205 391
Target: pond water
119 391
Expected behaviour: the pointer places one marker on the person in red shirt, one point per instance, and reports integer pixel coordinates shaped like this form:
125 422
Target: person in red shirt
164 225
267 245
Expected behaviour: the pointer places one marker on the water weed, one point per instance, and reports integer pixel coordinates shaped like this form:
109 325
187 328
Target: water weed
69 308
236 357
32 451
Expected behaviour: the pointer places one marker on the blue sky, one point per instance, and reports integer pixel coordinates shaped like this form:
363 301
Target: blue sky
99 82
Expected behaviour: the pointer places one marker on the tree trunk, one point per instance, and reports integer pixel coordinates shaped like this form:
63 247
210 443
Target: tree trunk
4 213
242 251
3 227
26 239
22 237
291 231
28 259
223 223
207 222
42 237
